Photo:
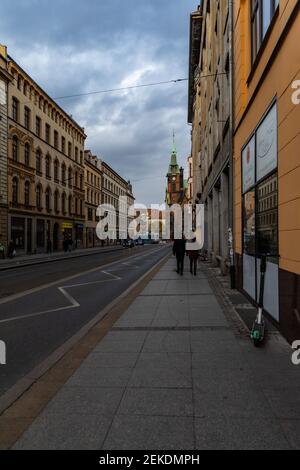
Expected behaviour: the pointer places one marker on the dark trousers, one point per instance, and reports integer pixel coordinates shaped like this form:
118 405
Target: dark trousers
180 263
193 265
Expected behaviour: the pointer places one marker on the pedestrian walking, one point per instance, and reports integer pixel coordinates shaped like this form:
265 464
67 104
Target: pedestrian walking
179 252
193 256
11 252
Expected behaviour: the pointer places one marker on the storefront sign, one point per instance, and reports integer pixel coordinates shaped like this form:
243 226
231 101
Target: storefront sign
266 141
66 226
248 159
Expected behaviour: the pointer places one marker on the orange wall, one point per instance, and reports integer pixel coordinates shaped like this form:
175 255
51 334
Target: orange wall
277 83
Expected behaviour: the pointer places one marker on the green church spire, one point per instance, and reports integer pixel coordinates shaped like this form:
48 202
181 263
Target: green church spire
174 167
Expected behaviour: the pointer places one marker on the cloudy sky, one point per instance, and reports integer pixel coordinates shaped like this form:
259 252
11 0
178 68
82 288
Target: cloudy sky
78 46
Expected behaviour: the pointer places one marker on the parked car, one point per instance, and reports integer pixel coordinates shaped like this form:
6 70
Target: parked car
128 244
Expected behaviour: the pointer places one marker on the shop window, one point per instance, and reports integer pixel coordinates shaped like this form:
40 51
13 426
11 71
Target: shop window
40 233
18 232
267 217
249 223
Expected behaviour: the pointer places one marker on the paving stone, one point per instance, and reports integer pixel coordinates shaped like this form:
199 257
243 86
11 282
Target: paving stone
65 432
112 360
239 434
86 401
157 402
167 341
150 433
104 377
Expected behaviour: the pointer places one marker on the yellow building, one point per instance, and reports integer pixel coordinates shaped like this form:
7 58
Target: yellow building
45 169
93 185
5 78
266 155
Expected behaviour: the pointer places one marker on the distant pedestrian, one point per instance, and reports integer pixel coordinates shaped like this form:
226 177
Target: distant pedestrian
11 252
179 252
2 250
70 244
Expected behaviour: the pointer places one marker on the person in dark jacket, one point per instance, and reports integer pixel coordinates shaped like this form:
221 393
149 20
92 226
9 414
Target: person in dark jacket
179 252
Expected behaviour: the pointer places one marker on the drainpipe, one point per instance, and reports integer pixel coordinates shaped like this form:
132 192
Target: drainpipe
231 231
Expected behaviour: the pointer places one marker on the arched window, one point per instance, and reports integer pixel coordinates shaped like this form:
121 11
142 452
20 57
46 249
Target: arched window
70 177
15 148
15 190
38 197
70 205
47 199
56 170
48 168
56 201
27 154
38 161
63 203
27 194
63 174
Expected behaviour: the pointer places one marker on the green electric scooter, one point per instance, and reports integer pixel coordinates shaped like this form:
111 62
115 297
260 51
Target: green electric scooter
258 329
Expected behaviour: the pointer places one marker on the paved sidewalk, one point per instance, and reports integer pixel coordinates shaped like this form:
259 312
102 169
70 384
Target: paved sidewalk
27 260
172 374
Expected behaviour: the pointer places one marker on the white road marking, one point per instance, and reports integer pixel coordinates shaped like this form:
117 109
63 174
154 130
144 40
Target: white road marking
68 296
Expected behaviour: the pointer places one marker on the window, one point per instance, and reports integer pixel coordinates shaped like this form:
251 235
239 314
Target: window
56 201
47 200
56 139
27 117
267 217
70 177
15 148
63 203
38 197
76 154
27 194
63 174
27 154
70 150
249 222
56 170
47 133
15 190
70 205
262 12
38 126
38 161
15 109
63 145
48 168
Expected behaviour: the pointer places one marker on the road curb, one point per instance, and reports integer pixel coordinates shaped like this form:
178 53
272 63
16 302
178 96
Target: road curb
96 329
63 258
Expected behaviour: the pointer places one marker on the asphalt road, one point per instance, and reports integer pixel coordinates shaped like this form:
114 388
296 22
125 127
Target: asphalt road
34 324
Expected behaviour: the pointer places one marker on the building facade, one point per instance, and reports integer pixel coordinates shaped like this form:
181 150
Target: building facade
45 169
115 187
209 113
4 81
266 155
93 185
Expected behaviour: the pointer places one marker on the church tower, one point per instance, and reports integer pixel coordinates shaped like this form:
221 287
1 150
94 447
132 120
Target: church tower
175 191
